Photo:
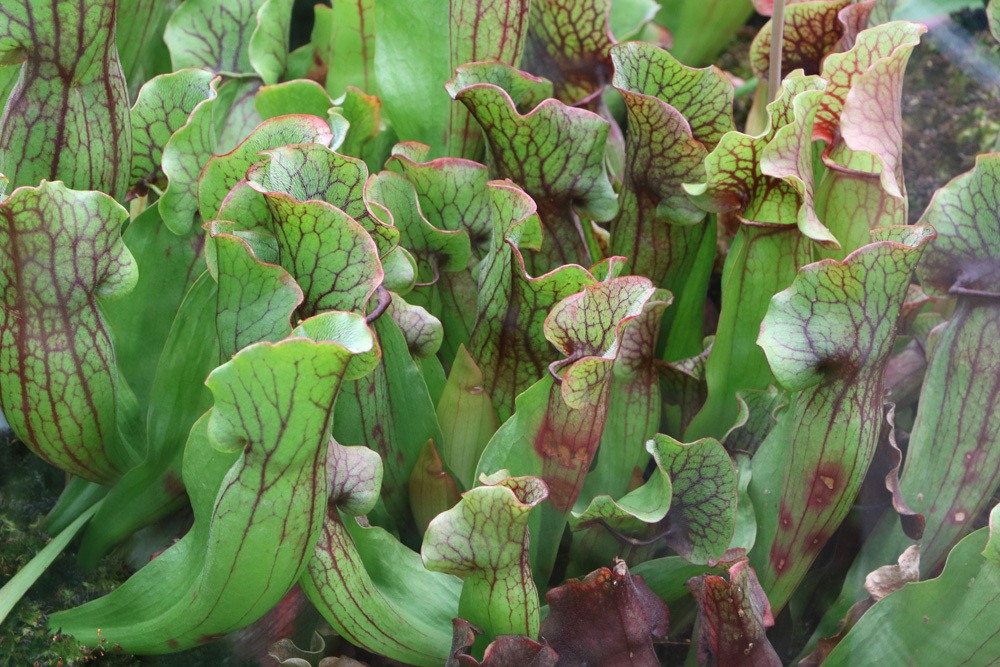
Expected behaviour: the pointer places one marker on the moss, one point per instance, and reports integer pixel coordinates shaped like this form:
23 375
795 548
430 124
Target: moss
26 495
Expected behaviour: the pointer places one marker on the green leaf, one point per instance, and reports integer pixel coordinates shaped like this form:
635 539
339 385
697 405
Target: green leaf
601 527
222 172
177 398
947 620
958 408
555 152
828 338
391 412
268 47
79 134
139 36
300 96
432 489
163 106
701 30
438 253
232 38
628 17
62 251
140 321
452 221
670 130
764 256
514 356
375 592
418 46
184 156
343 40
568 43
467 418
257 485
702 513
484 540
256 299
328 254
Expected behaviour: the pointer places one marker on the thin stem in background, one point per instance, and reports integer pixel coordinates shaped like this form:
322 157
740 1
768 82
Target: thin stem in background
777 41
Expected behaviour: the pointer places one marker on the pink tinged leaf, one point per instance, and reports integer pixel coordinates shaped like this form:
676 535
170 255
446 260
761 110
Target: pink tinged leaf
736 181
635 405
62 252
828 337
568 43
555 152
610 617
223 172
789 156
862 104
67 116
587 328
310 171
423 332
732 619
484 541
871 120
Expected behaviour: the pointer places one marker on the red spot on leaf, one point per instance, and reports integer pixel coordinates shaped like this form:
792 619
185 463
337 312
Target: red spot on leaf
172 484
827 485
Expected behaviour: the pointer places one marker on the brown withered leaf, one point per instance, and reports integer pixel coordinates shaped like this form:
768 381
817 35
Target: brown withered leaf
608 618
504 650
732 618
882 582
